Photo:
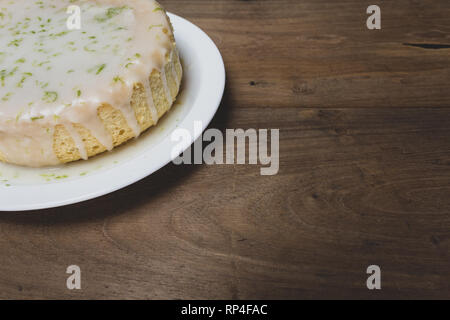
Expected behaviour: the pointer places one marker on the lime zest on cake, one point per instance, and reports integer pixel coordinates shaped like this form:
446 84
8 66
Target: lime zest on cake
67 94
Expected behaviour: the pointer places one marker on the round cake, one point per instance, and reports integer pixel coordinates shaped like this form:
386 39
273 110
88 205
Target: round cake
80 77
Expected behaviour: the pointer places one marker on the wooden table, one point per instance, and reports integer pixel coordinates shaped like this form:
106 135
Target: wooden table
364 119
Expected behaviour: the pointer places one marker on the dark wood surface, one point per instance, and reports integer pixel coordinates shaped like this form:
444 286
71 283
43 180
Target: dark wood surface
364 119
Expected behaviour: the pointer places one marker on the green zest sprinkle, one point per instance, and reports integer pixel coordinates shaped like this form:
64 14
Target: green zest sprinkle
117 79
15 42
87 49
7 96
100 68
110 13
24 77
155 26
97 69
50 96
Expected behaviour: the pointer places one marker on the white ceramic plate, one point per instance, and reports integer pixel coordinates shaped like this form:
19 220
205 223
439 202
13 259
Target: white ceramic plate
202 89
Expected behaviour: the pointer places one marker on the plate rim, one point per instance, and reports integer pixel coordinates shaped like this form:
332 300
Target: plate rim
214 99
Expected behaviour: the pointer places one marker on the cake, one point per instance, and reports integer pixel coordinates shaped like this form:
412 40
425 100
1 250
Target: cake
70 91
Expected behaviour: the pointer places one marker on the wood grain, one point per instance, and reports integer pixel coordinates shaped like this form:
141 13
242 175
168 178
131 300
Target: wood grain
364 119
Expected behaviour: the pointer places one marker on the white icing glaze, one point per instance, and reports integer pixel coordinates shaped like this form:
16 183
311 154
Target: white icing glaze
150 102
51 75
174 72
166 86
77 139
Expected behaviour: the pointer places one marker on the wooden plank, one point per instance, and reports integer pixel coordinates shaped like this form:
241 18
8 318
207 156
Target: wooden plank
320 53
356 187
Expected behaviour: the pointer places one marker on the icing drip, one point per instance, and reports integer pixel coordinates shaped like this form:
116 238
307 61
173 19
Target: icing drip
150 102
174 72
77 139
166 86
86 115
128 113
